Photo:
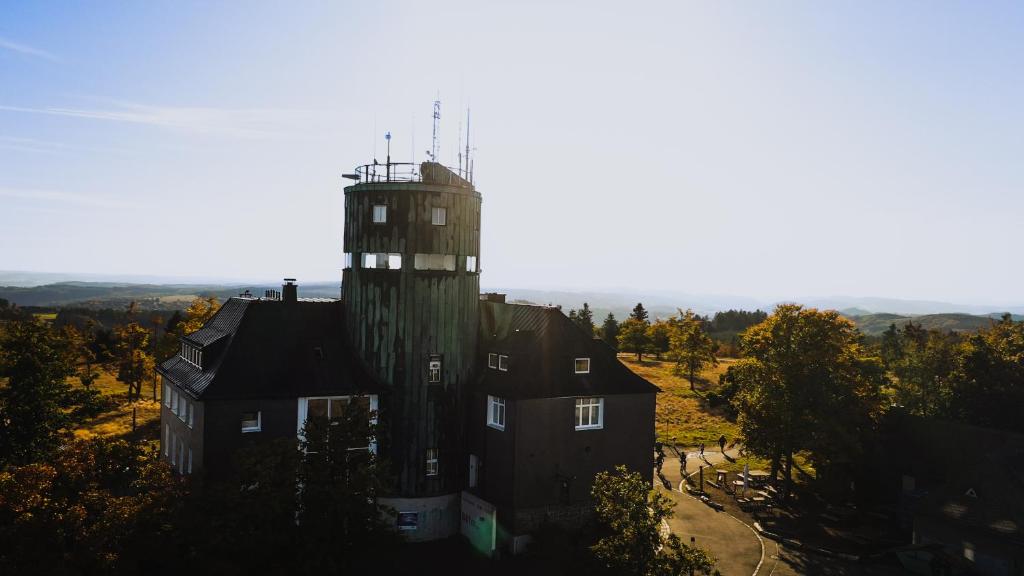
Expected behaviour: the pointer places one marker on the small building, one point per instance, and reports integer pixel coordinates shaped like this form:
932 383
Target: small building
510 407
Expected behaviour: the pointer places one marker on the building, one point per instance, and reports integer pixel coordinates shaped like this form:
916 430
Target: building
510 405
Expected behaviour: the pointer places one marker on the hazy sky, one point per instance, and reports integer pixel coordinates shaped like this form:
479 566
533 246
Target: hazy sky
768 149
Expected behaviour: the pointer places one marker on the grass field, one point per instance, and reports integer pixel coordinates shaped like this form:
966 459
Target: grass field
683 416
117 422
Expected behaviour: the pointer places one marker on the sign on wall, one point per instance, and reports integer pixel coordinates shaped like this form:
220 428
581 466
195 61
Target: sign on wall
479 523
408 520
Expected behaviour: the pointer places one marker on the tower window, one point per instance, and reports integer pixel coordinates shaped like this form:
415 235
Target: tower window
492 360
382 261
438 216
583 365
431 461
496 412
434 262
503 363
348 260
380 213
470 263
395 261
434 369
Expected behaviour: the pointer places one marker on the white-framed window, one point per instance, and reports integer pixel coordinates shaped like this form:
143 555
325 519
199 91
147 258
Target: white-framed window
174 401
380 213
191 414
503 363
348 261
332 407
252 421
438 216
167 439
492 360
382 260
181 457
190 460
582 365
471 264
434 262
434 369
431 461
167 395
589 413
496 412
182 407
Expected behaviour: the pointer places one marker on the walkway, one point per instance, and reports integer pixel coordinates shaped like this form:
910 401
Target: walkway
737 548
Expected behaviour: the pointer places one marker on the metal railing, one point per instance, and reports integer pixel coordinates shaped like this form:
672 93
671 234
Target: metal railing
429 172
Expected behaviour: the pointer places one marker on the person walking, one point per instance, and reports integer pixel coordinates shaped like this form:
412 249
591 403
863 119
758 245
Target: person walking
702 450
721 443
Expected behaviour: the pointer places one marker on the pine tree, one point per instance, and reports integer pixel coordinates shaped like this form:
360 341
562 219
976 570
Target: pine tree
610 331
639 313
584 318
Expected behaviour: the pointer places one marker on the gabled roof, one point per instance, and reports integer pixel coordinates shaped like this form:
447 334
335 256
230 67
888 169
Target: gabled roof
542 345
271 348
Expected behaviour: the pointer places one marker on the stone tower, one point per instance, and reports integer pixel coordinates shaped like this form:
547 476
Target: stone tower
410 289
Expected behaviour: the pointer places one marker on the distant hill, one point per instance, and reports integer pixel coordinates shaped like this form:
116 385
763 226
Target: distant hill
875 324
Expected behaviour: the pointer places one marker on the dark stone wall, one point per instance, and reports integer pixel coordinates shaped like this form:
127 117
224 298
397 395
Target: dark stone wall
398 319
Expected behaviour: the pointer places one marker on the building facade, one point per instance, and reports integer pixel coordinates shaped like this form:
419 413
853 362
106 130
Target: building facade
510 404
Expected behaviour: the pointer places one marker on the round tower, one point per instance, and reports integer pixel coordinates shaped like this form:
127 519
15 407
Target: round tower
410 289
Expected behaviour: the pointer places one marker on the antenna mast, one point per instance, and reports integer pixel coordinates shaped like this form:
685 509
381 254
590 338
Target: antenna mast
437 121
466 174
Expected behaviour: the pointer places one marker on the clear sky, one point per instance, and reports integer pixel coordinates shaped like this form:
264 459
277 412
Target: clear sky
766 149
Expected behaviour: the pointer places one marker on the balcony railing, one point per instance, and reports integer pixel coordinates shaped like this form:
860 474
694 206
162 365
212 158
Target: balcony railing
427 172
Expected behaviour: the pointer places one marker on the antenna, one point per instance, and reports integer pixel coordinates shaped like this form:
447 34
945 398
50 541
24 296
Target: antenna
466 174
458 152
387 136
437 122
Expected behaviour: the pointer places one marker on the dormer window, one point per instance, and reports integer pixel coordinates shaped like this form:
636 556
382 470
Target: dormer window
380 213
582 366
192 355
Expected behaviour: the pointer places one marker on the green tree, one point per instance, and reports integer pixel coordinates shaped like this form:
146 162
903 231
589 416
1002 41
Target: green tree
639 313
806 383
633 337
659 335
584 318
631 514
986 385
610 331
36 361
690 346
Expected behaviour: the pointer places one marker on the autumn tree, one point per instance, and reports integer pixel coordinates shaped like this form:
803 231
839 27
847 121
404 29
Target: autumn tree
690 346
659 337
633 337
986 384
199 313
610 331
132 359
631 514
584 318
35 361
806 383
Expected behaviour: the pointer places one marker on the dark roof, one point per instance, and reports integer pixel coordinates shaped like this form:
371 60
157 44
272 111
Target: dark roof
542 344
272 348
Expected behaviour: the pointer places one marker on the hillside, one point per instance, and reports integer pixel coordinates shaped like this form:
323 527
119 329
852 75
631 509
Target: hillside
875 324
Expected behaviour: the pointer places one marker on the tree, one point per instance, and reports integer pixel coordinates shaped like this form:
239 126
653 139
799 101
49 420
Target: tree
133 361
98 507
986 384
633 337
639 313
690 347
584 318
199 313
610 331
806 383
659 337
36 361
631 514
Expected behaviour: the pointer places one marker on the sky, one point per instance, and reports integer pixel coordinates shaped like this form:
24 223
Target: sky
762 149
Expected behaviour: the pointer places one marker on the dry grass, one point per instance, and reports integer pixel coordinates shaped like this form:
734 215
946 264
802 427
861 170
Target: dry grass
117 422
682 415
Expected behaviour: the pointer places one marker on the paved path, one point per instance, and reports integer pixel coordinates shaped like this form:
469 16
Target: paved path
738 549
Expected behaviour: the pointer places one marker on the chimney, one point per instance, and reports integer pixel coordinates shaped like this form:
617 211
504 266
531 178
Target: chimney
290 291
